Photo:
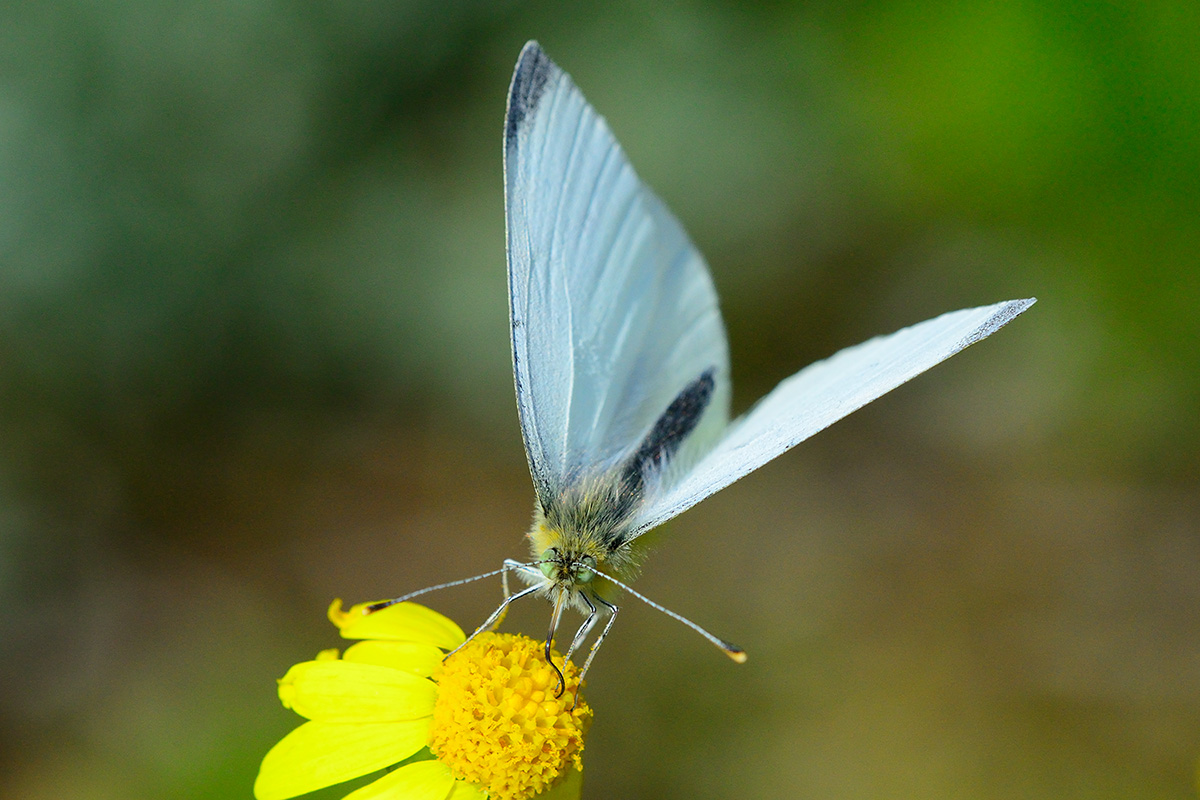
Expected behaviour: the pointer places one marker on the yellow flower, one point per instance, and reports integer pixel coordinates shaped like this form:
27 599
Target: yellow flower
483 723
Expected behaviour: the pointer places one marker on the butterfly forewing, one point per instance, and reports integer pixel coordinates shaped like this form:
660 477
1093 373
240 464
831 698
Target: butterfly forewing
614 315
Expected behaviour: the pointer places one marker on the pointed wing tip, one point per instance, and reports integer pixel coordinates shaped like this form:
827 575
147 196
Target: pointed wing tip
1002 314
531 50
1011 308
533 72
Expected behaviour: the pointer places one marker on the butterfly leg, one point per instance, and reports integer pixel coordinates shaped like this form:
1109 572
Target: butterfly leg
585 628
612 617
510 565
498 613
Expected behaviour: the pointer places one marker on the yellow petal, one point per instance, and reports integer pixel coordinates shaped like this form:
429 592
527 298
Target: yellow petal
416 658
346 691
420 780
466 791
407 622
320 754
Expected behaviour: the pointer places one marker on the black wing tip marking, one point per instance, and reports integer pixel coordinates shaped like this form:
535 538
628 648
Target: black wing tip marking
534 70
1012 308
1006 314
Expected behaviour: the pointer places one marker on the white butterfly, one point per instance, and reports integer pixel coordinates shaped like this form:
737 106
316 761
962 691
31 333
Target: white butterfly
621 363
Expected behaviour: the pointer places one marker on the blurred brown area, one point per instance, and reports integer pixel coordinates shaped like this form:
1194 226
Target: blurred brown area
253 356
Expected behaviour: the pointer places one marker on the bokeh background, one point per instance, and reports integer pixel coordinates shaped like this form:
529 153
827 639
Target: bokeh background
253 356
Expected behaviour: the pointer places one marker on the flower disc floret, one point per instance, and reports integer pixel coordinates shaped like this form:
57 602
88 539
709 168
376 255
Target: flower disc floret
497 722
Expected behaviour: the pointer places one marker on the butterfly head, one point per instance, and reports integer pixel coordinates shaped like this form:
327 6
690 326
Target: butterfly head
567 569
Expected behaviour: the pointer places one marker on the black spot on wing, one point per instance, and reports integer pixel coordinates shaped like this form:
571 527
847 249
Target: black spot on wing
676 423
533 72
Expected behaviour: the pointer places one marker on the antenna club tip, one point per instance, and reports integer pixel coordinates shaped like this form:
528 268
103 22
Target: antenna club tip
737 654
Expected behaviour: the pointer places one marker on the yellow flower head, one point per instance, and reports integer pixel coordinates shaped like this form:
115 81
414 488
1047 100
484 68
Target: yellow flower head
485 723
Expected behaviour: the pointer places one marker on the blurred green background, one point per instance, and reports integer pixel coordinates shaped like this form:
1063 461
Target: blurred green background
253 356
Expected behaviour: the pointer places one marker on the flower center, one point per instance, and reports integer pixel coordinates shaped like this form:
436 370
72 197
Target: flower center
497 723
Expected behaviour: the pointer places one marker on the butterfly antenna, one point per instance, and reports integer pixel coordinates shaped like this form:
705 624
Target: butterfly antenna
382 604
730 649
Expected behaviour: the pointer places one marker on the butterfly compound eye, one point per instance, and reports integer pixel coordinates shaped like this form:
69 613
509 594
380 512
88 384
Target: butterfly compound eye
586 570
550 560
